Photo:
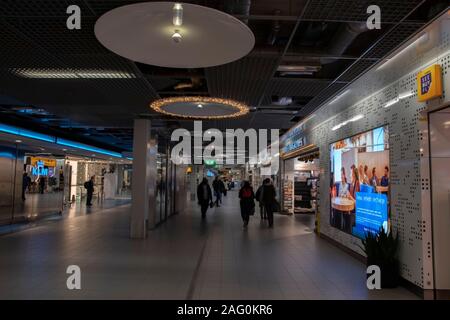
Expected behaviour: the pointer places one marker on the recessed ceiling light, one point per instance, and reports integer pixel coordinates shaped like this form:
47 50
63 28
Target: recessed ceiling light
200 106
64 149
18 141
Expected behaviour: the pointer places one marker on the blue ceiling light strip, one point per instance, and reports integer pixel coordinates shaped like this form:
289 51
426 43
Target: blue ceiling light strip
81 146
44 137
26 133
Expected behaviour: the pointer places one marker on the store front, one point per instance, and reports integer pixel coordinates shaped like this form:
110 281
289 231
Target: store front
300 177
112 178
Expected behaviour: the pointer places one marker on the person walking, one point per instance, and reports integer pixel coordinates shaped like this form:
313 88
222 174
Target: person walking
218 187
247 202
258 198
26 182
89 185
269 200
204 196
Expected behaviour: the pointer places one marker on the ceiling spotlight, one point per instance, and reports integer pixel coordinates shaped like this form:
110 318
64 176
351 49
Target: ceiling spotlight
200 106
177 36
18 141
177 14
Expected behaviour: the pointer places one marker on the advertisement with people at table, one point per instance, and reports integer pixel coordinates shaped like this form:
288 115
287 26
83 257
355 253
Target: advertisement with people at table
360 183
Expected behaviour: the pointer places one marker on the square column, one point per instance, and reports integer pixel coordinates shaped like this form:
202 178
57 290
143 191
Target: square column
144 180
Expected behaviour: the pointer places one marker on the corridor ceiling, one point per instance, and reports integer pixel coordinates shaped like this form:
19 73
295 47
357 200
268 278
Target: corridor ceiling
305 51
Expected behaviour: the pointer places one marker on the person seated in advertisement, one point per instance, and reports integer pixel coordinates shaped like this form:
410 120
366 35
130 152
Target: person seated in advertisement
385 179
340 189
374 179
349 219
365 177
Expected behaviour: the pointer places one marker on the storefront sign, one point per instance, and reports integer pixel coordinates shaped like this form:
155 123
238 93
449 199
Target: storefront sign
39 169
429 83
45 161
292 140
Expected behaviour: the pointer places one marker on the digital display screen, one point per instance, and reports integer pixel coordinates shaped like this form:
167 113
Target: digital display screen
359 186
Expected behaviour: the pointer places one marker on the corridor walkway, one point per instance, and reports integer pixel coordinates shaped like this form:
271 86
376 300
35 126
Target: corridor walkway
182 259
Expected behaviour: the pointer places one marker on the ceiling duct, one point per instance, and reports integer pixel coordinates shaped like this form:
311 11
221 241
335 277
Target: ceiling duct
238 7
276 26
344 38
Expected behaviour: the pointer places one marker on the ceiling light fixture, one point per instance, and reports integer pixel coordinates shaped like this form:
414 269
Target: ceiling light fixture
177 36
238 109
68 74
177 14
355 118
199 106
177 21
397 99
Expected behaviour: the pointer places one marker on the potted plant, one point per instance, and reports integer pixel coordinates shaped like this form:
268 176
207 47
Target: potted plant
382 249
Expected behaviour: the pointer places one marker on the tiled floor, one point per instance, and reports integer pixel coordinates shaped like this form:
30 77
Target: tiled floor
182 259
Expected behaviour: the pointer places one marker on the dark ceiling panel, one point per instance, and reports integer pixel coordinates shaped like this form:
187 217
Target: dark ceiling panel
243 80
296 87
41 8
356 10
320 98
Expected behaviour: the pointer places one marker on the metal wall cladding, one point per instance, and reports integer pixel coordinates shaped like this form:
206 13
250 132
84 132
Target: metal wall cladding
410 210
7 162
12 207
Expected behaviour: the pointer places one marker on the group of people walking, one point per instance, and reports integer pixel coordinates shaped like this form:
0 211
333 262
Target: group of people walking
265 196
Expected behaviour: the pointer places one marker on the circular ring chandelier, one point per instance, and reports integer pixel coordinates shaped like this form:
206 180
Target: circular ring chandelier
201 108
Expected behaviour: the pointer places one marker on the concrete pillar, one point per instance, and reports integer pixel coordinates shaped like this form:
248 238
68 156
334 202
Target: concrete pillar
143 180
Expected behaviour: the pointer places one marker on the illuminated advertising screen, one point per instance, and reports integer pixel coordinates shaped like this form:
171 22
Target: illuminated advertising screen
359 188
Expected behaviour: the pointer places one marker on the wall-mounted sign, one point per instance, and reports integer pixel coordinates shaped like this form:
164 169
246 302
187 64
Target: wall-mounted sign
45 161
39 169
292 140
429 83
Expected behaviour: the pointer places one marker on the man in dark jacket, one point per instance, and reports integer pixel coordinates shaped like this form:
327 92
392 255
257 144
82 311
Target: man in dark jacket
219 188
204 196
89 185
268 199
261 205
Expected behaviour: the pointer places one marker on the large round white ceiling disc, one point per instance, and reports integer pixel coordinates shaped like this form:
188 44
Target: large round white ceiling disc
144 32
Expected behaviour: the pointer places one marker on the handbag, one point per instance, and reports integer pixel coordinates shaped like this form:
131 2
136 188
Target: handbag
211 204
252 211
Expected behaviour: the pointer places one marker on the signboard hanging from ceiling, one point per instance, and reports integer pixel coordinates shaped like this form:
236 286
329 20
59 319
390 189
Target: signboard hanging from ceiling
45 161
429 83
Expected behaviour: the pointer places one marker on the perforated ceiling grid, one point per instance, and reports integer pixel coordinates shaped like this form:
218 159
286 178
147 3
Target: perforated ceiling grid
409 171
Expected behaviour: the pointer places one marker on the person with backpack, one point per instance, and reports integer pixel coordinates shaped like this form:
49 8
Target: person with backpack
258 196
89 186
204 196
247 202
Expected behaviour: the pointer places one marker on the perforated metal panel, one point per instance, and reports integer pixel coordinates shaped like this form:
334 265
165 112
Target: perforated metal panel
355 10
244 80
407 139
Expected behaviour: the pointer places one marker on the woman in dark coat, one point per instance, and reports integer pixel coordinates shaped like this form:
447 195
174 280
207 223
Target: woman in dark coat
247 202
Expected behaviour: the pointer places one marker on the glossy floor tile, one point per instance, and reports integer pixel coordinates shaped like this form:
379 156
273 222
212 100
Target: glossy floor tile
185 258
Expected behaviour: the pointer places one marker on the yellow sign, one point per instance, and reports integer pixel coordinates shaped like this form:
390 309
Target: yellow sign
45 161
429 83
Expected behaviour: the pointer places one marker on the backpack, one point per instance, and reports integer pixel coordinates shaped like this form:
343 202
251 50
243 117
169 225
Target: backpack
246 193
